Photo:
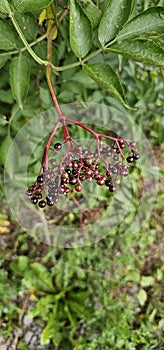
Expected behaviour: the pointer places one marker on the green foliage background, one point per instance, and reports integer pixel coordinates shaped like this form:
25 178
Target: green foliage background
108 295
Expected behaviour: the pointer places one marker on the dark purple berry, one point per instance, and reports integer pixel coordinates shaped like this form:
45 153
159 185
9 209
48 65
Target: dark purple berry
68 171
42 204
130 159
112 188
34 200
57 146
101 181
73 180
29 192
136 156
108 183
50 202
82 177
78 187
74 172
40 179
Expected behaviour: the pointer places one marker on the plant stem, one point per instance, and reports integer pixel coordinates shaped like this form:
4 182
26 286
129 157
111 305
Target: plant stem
28 47
49 82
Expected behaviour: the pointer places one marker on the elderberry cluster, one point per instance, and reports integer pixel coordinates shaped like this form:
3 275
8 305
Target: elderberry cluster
105 165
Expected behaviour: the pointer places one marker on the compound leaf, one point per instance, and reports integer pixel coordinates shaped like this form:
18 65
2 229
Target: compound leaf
146 51
115 15
106 78
9 39
10 156
20 78
30 5
92 11
149 23
4 6
80 31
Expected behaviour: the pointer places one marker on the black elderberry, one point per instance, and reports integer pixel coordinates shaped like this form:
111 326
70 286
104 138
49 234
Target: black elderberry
57 146
73 180
121 143
42 204
82 177
40 179
68 171
74 172
130 159
101 181
78 187
50 202
34 200
108 183
66 190
29 192
112 188
136 156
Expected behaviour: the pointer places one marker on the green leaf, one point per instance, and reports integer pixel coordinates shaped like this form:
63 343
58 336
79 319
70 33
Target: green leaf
6 96
77 308
4 6
20 78
30 5
147 281
115 15
146 51
38 277
3 60
106 78
21 265
43 306
85 80
45 98
149 22
9 39
3 121
10 156
142 297
92 11
80 31
52 331
28 24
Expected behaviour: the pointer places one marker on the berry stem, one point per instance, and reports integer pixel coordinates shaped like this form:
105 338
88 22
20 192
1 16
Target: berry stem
50 85
45 156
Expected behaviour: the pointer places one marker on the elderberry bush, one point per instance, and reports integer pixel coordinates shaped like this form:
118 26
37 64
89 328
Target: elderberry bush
67 172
